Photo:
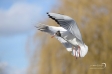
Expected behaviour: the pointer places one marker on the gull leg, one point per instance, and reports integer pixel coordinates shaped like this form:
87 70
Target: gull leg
74 51
79 50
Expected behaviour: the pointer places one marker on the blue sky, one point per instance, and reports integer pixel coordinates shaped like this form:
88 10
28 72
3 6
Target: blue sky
17 21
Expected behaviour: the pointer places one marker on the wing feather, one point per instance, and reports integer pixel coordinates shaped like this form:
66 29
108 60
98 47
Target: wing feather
51 30
65 43
68 23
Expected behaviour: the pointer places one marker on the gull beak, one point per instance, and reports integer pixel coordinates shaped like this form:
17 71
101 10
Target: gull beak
53 36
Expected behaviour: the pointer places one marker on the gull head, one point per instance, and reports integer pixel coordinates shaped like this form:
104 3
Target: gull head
58 33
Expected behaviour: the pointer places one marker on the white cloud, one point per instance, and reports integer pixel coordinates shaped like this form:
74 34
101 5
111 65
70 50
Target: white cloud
19 18
5 68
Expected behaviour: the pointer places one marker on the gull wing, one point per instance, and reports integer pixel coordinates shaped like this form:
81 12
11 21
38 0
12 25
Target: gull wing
65 43
68 23
51 30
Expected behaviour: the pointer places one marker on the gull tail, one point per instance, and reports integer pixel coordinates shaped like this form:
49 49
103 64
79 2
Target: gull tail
84 50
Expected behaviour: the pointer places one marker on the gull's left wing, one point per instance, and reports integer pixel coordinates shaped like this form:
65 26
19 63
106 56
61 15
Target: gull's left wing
68 23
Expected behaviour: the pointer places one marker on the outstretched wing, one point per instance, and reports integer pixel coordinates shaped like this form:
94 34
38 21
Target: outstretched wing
51 30
68 23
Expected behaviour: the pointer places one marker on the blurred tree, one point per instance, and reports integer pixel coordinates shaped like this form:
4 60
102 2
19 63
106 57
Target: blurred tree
94 20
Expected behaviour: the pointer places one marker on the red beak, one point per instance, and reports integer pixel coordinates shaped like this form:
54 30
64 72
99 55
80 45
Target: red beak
52 36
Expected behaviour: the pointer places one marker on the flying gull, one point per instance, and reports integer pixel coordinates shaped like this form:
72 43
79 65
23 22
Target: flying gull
68 34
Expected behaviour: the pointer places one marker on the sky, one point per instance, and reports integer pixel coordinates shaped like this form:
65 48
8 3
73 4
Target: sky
17 20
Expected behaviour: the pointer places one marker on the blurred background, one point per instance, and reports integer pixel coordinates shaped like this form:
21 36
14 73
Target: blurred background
25 50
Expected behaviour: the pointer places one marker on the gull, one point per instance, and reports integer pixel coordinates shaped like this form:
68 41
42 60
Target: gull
68 34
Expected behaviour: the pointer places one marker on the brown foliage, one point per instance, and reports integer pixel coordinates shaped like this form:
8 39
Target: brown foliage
94 20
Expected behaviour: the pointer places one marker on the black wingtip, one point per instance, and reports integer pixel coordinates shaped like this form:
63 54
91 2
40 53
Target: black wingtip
48 13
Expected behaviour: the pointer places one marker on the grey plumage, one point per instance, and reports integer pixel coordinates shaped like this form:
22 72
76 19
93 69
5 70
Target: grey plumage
44 28
68 23
68 34
51 30
65 43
